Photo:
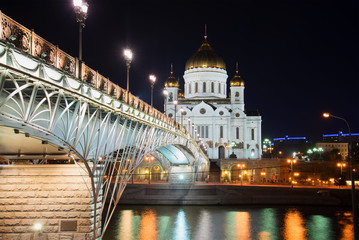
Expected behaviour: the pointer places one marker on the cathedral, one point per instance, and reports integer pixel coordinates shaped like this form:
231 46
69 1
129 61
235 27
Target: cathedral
221 124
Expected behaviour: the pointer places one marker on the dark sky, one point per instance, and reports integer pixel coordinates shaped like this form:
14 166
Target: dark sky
298 58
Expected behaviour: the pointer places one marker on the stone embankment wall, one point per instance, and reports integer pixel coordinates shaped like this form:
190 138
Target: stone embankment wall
166 194
54 198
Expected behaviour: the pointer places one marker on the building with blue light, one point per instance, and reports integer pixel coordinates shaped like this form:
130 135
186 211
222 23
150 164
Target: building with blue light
340 137
286 146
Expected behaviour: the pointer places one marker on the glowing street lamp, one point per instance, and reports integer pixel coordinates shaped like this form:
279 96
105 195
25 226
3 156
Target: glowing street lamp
291 161
263 174
341 165
241 166
182 112
354 203
127 53
80 9
152 80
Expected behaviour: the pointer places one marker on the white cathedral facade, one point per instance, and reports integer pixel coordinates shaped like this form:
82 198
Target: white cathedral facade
226 129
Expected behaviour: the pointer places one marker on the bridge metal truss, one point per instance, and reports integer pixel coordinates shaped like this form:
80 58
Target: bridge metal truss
109 136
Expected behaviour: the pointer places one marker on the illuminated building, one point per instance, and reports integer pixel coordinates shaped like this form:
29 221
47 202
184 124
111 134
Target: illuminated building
222 123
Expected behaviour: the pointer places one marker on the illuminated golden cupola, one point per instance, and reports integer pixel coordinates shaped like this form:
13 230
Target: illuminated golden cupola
205 74
205 57
237 90
237 80
171 80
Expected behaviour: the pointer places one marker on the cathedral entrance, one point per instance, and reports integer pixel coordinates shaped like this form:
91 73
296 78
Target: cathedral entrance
156 173
221 152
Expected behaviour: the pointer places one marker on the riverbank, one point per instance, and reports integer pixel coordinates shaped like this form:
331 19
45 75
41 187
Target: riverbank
164 194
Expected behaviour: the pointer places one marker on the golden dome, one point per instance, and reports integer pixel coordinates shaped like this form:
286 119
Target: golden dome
236 80
171 80
205 57
180 94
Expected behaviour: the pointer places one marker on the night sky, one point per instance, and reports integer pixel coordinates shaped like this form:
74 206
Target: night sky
298 58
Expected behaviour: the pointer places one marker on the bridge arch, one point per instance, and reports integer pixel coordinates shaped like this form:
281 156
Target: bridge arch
100 130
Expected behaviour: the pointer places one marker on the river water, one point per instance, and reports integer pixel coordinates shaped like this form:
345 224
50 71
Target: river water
229 222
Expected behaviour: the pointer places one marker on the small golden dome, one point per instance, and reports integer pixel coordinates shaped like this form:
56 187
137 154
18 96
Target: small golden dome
236 80
171 80
180 94
205 57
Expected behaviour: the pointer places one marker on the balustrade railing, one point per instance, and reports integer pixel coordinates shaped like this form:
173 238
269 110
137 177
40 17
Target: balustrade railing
29 42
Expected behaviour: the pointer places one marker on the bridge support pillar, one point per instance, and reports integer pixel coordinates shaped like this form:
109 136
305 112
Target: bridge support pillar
182 174
45 202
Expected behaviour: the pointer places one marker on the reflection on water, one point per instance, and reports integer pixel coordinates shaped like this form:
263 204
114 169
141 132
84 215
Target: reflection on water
181 228
148 226
229 222
269 225
294 225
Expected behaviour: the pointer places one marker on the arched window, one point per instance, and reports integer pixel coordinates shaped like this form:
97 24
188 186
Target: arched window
204 86
189 88
219 88
212 87
170 97
237 133
237 94
221 131
252 133
196 88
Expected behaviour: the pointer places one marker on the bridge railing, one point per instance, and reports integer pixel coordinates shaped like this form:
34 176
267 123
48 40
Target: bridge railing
29 42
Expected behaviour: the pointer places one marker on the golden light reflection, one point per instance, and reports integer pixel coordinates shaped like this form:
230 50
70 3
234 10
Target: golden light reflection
243 225
294 226
264 236
148 226
346 224
126 225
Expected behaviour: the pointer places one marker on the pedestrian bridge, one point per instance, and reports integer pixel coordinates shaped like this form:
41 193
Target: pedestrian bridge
48 95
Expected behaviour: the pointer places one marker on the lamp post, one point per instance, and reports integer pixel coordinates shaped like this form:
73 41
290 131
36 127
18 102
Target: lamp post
182 110
241 166
189 125
354 203
128 57
175 103
341 165
80 9
165 93
153 80
263 174
291 161
149 159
